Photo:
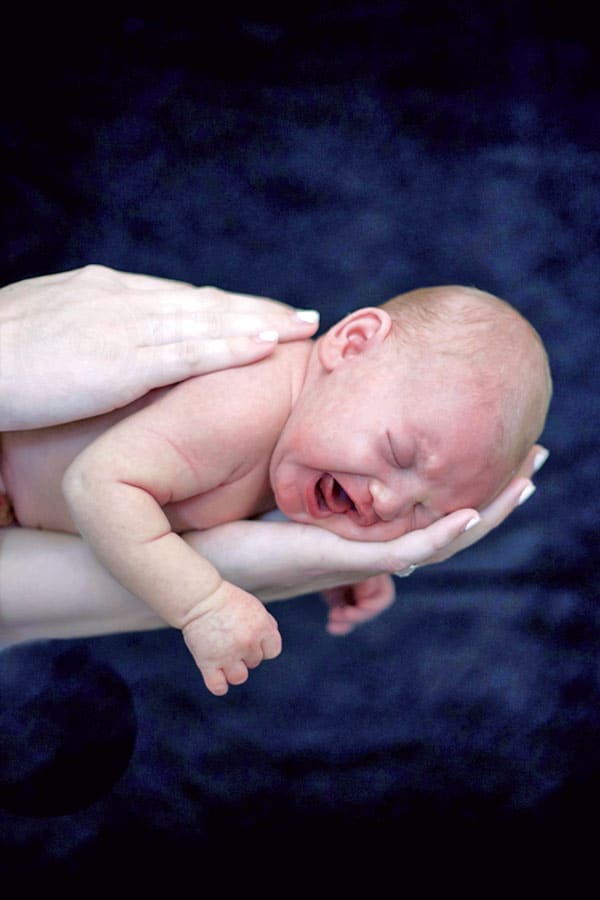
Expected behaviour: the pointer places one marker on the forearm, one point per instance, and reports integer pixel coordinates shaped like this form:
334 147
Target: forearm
269 559
38 600
276 560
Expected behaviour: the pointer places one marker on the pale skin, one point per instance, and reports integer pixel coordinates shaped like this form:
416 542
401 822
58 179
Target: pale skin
116 335
221 448
38 602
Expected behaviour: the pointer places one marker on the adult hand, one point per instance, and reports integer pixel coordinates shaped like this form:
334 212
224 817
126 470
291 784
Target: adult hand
276 560
83 342
517 492
351 605
271 559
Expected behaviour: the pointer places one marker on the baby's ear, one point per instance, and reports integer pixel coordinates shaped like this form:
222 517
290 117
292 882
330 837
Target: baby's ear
362 330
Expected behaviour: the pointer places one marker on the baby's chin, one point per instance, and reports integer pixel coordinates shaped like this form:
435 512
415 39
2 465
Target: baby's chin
345 528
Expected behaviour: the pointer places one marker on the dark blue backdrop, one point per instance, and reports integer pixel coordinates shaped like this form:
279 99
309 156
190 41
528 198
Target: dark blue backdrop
330 156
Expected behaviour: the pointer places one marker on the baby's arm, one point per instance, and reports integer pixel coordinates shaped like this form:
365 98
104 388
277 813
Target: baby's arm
273 560
115 490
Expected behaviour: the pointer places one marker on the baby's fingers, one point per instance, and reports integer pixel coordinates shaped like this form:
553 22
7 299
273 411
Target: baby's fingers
237 672
218 680
339 629
349 615
215 681
344 619
271 645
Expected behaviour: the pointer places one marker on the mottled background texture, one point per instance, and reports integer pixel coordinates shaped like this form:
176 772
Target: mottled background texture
329 155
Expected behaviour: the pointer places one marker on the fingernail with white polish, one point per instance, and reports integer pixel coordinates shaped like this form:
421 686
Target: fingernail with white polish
526 494
540 458
307 315
404 573
472 523
269 336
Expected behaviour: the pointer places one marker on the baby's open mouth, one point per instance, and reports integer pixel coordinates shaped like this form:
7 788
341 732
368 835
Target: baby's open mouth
331 496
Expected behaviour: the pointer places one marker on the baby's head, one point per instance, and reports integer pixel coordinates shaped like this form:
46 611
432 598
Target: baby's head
411 410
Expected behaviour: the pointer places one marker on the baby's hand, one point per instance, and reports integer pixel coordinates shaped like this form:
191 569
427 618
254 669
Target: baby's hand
355 603
232 634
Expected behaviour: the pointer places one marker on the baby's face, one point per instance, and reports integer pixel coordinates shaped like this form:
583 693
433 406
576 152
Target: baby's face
370 461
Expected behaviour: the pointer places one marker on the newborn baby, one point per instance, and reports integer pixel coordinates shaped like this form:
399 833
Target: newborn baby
396 416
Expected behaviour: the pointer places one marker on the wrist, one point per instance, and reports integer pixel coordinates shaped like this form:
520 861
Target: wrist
212 597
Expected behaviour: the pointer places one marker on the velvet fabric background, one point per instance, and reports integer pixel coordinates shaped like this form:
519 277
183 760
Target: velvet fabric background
329 155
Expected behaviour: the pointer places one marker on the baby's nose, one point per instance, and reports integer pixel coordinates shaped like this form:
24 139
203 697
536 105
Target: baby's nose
389 504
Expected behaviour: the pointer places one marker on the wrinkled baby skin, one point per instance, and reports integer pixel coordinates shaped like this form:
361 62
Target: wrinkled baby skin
379 443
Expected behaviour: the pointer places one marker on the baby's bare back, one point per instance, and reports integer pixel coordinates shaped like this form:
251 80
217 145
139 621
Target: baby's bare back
33 463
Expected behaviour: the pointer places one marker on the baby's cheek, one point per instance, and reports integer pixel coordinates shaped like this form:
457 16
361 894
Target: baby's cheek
424 517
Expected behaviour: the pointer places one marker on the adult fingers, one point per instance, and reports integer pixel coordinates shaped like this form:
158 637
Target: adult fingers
175 362
417 547
514 494
519 490
534 461
289 322
180 312
138 282
154 327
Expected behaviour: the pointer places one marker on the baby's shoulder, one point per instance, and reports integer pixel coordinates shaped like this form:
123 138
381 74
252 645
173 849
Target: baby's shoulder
241 386
244 401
